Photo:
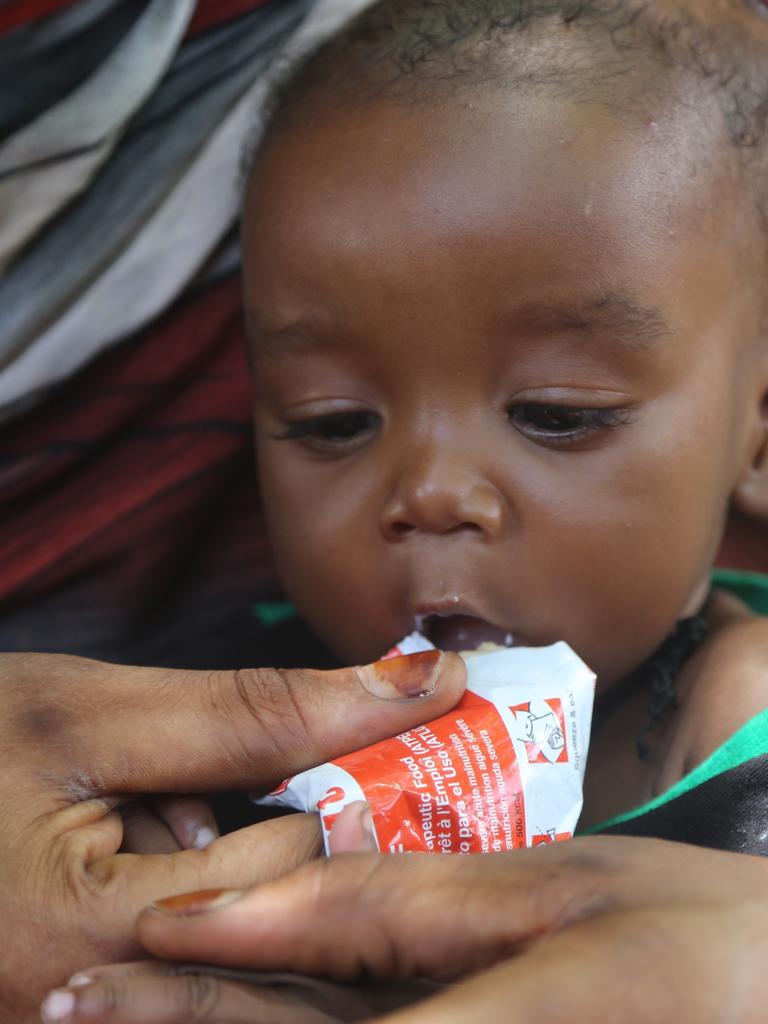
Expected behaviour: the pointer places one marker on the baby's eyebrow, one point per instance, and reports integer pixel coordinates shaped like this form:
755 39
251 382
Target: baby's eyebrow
614 316
266 339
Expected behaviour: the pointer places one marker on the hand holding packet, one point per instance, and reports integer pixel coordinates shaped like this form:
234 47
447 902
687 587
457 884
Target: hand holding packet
503 770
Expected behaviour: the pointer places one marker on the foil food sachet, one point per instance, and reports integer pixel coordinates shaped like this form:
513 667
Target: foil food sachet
503 770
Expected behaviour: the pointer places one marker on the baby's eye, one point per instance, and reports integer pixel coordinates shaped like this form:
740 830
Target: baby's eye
334 431
563 422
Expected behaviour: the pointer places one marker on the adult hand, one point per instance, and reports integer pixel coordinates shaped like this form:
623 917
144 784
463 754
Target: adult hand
630 931
78 736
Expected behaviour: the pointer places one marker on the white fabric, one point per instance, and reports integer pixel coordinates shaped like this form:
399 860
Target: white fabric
72 139
168 251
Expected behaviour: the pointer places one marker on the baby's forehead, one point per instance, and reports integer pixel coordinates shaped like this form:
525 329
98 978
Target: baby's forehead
483 151
693 67
596 131
550 216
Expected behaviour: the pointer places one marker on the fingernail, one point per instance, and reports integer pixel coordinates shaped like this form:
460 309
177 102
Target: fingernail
189 904
407 676
79 979
57 1006
353 831
203 838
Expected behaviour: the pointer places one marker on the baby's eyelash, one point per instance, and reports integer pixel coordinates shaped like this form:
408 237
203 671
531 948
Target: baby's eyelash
331 429
562 423
548 423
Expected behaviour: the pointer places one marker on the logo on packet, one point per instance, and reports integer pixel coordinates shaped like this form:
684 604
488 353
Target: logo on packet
550 836
541 727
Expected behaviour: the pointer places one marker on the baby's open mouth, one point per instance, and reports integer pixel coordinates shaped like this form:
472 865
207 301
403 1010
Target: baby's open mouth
462 632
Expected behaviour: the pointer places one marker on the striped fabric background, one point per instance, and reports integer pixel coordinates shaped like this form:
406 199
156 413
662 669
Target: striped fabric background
129 519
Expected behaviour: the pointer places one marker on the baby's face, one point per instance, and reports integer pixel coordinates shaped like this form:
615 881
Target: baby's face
500 384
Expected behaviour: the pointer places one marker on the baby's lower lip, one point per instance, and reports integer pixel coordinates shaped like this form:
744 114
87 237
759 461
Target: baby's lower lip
463 632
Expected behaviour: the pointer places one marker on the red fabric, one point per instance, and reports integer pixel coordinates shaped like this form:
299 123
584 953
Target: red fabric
213 12
208 13
123 471
20 12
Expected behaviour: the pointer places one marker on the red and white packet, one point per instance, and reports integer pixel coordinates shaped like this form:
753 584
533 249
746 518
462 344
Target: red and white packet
503 770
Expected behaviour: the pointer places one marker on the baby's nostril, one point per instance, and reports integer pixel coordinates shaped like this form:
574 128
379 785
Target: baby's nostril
402 528
464 527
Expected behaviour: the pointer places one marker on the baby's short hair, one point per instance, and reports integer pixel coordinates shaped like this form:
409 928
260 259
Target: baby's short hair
621 52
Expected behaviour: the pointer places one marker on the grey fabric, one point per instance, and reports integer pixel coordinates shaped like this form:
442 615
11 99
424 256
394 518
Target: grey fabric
223 262
148 273
47 59
48 162
41 36
89 115
110 208
164 140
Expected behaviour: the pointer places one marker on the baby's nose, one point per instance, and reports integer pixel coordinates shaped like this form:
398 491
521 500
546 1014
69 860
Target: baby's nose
442 497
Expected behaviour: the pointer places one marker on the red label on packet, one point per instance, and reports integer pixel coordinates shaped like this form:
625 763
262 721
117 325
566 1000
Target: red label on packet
461 790
502 770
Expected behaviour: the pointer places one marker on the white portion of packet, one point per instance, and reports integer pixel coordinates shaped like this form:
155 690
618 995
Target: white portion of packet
503 770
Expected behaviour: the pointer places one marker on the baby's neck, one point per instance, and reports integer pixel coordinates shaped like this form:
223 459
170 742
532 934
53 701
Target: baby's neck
617 780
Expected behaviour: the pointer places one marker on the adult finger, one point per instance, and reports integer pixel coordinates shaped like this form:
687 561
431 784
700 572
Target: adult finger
105 972
693 963
167 824
143 831
119 990
470 911
683 963
120 884
189 818
111 729
111 887
352 832
164 996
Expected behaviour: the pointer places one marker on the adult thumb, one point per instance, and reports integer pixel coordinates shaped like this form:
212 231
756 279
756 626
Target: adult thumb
146 730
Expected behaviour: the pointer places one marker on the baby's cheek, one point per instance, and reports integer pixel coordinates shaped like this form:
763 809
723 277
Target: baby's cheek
620 576
333 582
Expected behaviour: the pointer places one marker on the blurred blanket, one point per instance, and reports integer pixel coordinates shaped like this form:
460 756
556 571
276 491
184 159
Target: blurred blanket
129 519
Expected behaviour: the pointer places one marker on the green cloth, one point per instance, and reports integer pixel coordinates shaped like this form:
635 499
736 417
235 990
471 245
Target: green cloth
272 613
750 741
751 587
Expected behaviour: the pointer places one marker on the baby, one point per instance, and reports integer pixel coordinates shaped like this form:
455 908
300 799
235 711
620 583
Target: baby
505 286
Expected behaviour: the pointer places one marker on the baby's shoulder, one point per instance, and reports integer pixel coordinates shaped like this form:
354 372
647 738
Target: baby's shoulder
722 687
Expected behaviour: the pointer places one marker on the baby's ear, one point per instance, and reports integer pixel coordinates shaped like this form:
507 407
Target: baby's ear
750 495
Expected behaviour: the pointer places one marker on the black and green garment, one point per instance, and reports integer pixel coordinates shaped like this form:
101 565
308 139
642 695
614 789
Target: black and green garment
723 802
